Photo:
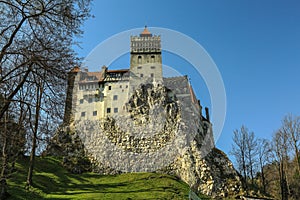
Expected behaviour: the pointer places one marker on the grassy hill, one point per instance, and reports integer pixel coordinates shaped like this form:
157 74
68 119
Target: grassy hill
52 181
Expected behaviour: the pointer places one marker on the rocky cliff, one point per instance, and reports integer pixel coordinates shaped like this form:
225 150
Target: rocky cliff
213 175
163 131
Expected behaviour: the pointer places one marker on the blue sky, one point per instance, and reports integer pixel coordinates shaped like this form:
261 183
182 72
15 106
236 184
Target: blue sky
255 45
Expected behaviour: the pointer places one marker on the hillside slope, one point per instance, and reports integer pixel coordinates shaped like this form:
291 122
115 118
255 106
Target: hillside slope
51 181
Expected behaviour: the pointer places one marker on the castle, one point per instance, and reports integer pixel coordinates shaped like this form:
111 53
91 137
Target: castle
95 95
136 120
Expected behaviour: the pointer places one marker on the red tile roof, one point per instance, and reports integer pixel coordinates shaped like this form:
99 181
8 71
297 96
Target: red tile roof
75 69
146 32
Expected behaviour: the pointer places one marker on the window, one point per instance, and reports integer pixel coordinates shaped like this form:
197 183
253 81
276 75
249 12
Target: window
139 59
81 101
82 114
139 67
120 86
126 86
108 110
152 75
109 87
115 97
152 59
142 75
152 67
95 113
90 100
115 110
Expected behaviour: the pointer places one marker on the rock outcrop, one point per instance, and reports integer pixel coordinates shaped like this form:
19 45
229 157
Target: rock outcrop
163 131
213 175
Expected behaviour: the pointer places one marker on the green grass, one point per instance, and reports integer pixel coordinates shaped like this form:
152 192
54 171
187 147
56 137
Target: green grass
52 181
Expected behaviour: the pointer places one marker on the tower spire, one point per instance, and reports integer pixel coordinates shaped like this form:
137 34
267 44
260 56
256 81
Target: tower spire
146 32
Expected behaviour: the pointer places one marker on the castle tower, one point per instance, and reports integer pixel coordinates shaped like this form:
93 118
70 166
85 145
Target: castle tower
71 99
145 58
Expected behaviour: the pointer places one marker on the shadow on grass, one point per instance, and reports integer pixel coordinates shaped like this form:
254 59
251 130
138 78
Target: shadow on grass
152 193
52 181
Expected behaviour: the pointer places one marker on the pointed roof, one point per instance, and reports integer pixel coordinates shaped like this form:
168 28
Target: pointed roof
75 69
146 33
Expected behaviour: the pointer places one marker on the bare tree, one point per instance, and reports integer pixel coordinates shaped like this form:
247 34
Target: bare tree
34 128
251 152
263 150
244 150
280 149
291 127
36 39
239 151
37 33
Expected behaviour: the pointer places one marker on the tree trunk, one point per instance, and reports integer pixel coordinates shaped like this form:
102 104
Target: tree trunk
39 95
245 174
29 181
3 193
283 182
263 178
251 170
